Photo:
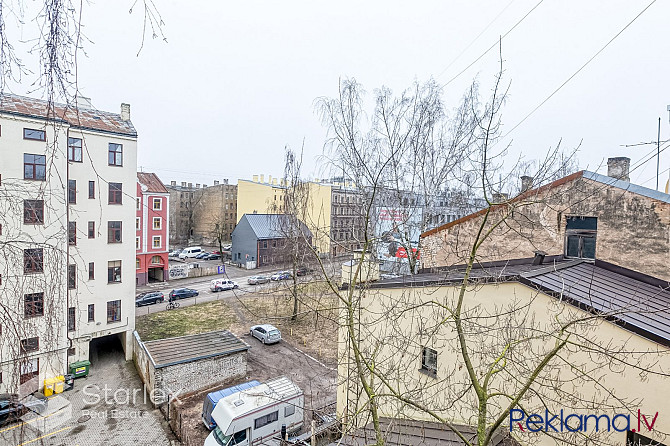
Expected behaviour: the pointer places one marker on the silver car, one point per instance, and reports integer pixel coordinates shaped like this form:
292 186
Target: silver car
255 280
266 333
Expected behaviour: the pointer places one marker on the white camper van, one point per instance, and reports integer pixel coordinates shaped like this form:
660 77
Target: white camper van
191 251
253 415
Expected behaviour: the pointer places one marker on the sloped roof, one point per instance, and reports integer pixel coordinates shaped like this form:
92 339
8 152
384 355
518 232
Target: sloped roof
152 182
172 351
269 226
630 299
83 118
603 179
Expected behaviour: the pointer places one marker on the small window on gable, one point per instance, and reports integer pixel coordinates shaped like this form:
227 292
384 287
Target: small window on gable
429 360
580 237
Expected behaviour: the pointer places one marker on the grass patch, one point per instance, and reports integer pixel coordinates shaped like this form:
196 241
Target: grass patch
184 321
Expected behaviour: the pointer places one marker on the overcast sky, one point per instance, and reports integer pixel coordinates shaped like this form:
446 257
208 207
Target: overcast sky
236 81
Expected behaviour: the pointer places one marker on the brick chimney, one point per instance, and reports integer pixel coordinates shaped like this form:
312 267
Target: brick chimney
83 102
618 168
125 112
173 183
216 182
526 183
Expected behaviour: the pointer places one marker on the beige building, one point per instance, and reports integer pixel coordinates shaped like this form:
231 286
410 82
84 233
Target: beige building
517 311
67 227
584 215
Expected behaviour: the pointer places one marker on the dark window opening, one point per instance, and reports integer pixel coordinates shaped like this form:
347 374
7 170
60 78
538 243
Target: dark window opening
91 312
114 271
114 232
91 271
72 233
34 167
114 311
72 191
35 135
30 345
115 154
71 277
74 150
33 260
91 229
71 318
91 189
33 305
115 193
429 360
266 419
580 237
33 212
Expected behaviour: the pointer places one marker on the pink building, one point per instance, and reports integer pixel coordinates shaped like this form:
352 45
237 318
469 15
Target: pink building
151 229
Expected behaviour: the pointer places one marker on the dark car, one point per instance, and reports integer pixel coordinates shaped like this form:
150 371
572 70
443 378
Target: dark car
202 255
303 271
182 293
149 298
12 408
212 257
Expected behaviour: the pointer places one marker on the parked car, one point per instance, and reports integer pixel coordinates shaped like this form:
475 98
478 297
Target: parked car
303 271
191 251
202 255
227 247
266 333
256 280
281 275
174 253
182 293
212 257
217 285
149 299
12 407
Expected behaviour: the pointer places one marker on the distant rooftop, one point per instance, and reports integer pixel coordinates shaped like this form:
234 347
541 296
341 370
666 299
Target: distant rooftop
269 226
82 118
182 349
152 182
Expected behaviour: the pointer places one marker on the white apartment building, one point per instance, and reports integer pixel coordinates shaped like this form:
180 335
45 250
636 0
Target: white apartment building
67 232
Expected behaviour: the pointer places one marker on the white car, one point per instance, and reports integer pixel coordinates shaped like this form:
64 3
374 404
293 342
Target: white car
217 285
266 333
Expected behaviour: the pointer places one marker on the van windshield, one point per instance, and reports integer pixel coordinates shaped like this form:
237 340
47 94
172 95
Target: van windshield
220 438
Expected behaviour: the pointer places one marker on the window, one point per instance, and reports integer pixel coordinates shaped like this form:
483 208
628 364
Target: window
137 243
158 204
115 193
34 167
635 439
429 360
91 229
157 223
114 271
156 241
114 232
137 263
580 237
71 232
29 369
265 244
74 150
71 318
156 260
115 154
72 191
71 277
33 261
113 311
91 271
137 223
36 135
91 312
71 351
33 305
239 437
30 345
289 410
91 189
138 204
266 419
33 212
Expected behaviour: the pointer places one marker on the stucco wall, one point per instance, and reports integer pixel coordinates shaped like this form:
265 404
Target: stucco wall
633 230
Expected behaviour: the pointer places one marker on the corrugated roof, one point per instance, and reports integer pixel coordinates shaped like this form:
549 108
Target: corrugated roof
152 182
171 351
269 226
83 118
398 432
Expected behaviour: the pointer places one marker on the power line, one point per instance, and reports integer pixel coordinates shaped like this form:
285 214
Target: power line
580 69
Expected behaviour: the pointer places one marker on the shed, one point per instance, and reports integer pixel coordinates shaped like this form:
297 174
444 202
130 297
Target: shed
185 364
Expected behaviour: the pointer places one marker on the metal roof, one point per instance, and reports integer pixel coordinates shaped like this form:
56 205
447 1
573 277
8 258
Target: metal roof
182 349
268 226
152 182
632 300
625 185
398 432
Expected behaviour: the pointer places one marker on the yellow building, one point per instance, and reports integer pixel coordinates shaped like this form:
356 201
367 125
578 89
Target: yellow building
611 369
259 197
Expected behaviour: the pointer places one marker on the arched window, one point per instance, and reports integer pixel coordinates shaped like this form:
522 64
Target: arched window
156 260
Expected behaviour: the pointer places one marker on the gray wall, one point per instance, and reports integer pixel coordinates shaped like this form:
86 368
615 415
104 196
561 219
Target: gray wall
244 242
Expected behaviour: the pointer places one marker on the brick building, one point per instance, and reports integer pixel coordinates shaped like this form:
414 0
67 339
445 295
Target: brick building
152 228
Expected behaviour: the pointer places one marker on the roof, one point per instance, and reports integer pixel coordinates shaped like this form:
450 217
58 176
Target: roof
152 182
268 226
603 179
250 400
83 118
182 349
400 432
218 394
632 300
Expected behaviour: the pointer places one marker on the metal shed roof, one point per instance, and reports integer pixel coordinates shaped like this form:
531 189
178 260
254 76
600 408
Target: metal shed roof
182 349
268 226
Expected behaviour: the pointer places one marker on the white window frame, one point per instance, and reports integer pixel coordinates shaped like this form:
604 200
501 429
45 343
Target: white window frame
160 223
160 204
137 243
153 241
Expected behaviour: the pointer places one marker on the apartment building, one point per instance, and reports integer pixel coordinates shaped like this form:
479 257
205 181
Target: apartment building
151 229
67 211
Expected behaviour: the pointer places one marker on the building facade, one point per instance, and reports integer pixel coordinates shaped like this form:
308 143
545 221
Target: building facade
152 228
67 180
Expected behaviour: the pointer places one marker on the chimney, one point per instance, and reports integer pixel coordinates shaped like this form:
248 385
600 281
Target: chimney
204 186
190 185
83 102
173 183
225 181
526 183
262 178
618 168
274 181
125 112
183 184
539 257
216 182
500 197
255 177
269 179
197 185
